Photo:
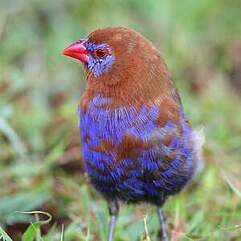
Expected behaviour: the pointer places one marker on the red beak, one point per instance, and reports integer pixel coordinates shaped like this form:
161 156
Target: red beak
78 51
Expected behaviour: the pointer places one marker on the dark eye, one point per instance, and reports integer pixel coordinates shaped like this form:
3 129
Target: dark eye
101 53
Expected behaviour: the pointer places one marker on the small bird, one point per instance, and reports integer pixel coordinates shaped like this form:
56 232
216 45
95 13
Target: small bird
137 144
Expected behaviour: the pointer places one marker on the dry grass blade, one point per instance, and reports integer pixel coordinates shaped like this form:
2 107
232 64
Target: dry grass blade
232 228
233 182
46 221
146 235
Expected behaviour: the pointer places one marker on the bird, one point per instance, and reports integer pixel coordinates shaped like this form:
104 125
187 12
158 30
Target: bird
137 143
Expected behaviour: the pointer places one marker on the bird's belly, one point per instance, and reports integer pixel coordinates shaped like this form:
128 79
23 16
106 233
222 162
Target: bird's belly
109 176
134 181
144 174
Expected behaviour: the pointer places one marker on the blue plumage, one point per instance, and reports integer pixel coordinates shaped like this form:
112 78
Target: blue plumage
98 66
113 177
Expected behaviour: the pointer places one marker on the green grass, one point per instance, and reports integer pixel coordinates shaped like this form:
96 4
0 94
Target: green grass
40 161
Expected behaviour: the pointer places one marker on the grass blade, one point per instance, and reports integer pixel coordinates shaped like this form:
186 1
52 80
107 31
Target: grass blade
4 236
31 232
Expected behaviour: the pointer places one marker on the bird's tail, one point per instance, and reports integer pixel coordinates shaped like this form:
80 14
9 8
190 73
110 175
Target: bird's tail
198 139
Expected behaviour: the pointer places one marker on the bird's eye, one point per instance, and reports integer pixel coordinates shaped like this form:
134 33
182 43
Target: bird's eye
101 53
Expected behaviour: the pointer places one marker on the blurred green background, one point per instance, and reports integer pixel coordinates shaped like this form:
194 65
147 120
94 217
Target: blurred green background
40 159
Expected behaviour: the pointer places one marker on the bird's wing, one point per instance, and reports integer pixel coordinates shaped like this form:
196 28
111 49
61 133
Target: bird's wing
166 155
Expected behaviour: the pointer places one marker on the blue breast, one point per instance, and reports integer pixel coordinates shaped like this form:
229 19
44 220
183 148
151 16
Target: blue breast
148 177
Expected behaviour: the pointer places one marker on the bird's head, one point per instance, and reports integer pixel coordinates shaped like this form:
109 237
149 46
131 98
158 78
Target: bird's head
118 60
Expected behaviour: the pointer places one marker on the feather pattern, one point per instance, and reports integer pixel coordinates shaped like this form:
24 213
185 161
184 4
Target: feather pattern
128 155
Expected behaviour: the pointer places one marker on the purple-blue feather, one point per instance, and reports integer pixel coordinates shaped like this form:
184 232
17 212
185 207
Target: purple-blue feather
124 179
95 65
